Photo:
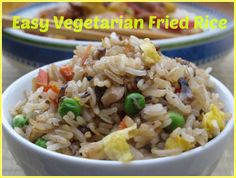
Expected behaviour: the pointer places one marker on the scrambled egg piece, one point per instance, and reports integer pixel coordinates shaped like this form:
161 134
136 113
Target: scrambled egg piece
178 142
116 146
213 114
150 54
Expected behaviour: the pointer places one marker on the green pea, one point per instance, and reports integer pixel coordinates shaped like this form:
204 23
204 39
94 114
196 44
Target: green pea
177 120
134 103
19 121
69 104
41 142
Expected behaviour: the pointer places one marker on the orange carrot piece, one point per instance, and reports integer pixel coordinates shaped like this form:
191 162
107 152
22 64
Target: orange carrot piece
122 125
42 78
67 72
54 88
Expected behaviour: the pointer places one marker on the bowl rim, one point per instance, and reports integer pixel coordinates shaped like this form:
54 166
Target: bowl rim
191 153
165 44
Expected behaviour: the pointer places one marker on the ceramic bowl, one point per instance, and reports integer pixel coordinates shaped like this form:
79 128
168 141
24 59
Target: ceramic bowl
38 161
39 50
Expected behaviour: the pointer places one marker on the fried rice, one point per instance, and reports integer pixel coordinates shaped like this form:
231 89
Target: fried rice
99 78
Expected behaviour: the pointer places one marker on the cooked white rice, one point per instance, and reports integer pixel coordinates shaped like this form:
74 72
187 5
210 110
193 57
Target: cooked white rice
102 78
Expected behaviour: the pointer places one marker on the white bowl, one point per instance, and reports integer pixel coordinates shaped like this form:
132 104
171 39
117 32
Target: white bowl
38 161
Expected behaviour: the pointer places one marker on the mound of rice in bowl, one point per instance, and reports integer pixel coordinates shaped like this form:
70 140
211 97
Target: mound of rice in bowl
122 101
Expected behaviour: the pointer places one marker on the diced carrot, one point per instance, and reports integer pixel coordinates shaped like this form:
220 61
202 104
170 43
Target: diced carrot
122 125
54 88
86 54
46 88
67 72
42 79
